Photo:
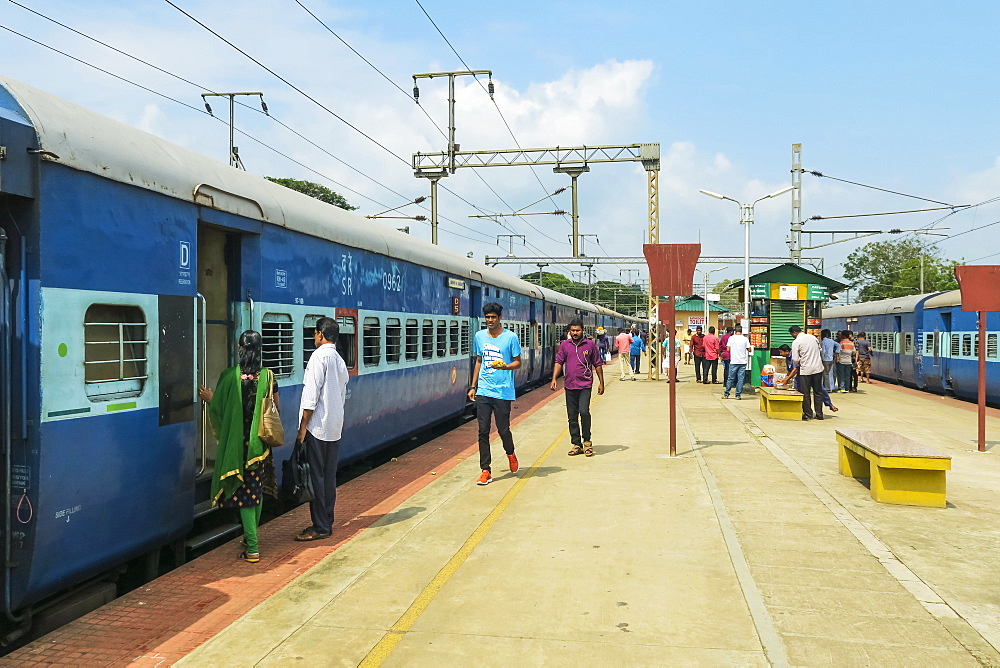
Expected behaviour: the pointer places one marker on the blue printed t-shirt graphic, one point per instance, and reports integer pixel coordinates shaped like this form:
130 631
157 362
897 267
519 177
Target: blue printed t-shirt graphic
498 383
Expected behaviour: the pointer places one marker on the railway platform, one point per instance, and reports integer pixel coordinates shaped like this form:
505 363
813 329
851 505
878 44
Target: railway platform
748 548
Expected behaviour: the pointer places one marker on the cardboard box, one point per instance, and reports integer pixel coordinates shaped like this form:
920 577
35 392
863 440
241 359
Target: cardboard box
779 365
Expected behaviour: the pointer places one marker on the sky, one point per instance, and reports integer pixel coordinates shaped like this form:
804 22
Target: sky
896 95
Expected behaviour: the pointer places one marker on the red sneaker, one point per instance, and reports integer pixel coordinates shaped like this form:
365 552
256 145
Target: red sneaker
513 463
484 478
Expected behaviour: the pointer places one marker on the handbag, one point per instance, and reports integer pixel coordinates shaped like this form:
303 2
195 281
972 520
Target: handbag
269 430
302 490
607 357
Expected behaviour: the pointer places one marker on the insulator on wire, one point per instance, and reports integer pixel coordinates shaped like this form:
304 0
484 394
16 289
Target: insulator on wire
560 190
490 89
420 218
416 94
419 199
263 105
208 108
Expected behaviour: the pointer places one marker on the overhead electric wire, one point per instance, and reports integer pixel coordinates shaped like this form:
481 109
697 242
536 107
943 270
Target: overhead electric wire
497 106
235 128
863 185
893 213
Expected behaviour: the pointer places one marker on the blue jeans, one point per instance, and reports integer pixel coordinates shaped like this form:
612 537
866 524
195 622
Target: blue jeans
736 376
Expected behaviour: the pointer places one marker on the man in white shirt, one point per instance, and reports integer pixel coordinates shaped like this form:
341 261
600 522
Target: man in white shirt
806 353
739 357
324 391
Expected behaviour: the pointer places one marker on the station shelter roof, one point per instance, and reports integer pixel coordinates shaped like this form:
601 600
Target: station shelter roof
792 273
697 303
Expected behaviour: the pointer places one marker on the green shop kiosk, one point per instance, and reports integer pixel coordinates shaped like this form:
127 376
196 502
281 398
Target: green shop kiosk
781 297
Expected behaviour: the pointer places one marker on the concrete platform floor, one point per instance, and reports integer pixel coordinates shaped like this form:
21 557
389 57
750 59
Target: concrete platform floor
747 549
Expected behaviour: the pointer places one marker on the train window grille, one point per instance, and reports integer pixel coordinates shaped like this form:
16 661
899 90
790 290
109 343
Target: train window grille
427 348
954 344
412 340
278 344
442 338
937 346
347 340
465 337
908 344
991 346
966 345
453 337
393 340
891 342
115 351
929 345
371 341
975 346
308 342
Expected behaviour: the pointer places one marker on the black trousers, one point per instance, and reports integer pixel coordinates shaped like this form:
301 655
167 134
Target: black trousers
698 363
578 413
812 384
499 409
709 364
323 457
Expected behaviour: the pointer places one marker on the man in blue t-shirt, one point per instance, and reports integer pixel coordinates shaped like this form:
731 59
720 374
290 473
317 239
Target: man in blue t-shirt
498 353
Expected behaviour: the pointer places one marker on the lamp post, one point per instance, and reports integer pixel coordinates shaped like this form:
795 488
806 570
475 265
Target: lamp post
705 275
746 219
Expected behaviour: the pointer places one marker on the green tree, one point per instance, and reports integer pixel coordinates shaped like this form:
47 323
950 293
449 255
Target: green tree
884 269
315 190
730 299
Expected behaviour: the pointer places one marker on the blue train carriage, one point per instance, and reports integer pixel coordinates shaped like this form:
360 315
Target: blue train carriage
924 341
950 348
133 265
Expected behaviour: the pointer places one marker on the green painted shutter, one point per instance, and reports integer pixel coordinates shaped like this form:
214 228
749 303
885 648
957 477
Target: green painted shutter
784 314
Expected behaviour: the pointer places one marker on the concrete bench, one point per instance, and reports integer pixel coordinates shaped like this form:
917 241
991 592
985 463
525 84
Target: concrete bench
902 471
781 404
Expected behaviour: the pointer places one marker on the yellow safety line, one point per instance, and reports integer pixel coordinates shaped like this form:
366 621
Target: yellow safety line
381 651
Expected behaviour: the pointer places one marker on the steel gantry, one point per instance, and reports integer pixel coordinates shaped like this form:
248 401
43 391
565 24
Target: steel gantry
571 160
816 262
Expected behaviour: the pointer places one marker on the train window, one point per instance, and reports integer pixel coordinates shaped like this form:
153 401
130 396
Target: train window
427 349
371 341
908 344
991 345
308 342
954 344
393 340
465 337
929 344
114 338
347 340
278 341
891 341
412 340
442 338
975 345
453 338
966 344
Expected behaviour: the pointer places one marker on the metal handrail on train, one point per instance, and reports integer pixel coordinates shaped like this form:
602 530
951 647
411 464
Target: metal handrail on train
204 382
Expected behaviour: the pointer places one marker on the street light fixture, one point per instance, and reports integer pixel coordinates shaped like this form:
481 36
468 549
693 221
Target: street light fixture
706 274
746 219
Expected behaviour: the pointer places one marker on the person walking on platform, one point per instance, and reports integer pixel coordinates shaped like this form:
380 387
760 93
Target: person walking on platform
724 353
498 353
603 342
244 469
624 344
686 340
807 355
739 358
581 359
846 357
636 351
711 362
321 423
698 352
864 361
829 349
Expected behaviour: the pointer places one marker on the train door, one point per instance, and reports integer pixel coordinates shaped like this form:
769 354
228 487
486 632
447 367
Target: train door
945 347
532 339
894 343
219 321
475 311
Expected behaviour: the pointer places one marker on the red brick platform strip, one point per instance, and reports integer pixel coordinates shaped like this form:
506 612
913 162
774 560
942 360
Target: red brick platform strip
168 618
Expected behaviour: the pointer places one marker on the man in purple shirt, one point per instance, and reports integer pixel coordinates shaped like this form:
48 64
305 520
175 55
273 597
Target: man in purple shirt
581 359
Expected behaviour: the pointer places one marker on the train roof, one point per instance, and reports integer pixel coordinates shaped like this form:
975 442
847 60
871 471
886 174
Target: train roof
90 142
881 307
950 298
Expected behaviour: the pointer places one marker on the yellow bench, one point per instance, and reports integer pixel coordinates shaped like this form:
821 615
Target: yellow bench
781 404
902 471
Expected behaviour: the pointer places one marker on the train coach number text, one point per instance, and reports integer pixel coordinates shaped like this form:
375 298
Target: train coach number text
392 282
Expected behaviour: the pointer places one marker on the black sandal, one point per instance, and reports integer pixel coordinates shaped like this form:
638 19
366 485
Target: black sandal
311 534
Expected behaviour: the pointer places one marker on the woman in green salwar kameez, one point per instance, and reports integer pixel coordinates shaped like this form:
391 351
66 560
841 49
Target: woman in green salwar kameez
243 466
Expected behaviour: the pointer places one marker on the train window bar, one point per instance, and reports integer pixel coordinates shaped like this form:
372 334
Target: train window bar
372 341
278 344
412 340
393 340
114 351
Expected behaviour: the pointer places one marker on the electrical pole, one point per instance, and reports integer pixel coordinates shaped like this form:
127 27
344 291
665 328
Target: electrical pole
795 239
574 172
510 239
234 152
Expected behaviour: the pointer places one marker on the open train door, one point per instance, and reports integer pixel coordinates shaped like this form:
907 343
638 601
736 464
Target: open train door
475 311
897 328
